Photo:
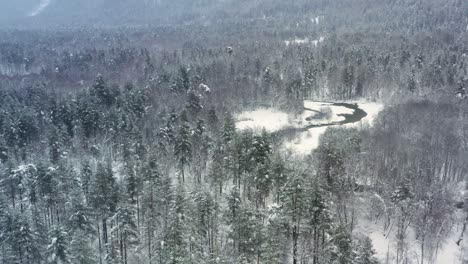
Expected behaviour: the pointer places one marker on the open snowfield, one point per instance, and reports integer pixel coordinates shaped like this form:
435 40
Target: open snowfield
372 109
264 118
299 41
315 113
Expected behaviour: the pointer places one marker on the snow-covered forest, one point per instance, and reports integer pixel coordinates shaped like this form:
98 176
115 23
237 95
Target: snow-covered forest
243 132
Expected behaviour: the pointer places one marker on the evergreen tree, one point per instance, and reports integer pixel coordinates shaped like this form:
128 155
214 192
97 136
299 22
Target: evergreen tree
23 240
86 176
157 202
194 105
412 81
273 247
57 251
56 145
183 146
294 203
102 92
113 255
365 253
81 250
176 242
229 129
90 117
126 228
342 248
182 81
213 121
104 196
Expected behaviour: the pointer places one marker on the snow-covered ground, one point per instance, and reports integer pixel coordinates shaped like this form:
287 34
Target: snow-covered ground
306 141
385 243
264 118
273 120
299 41
41 7
317 41
317 20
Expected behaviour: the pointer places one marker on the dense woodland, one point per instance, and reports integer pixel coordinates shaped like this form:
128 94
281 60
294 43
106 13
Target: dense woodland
118 143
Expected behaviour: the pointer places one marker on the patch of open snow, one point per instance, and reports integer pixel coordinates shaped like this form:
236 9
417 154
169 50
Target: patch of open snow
297 41
269 119
335 112
316 20
450 253
304 142
317 41
372 109
42 5
385 243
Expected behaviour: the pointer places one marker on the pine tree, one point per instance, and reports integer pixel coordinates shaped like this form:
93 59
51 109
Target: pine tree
176 242
5 217
126 228
23 240
113 255
183 146
267 81
86 176
81 250
342 249
56 145
90 117
412 81
213 121
194 105
260 154
273 247
182 82
229 129
204 225
319 218
104 197
57 251
294 205
365 253
216 172
102 92
157 200
201 144
245 229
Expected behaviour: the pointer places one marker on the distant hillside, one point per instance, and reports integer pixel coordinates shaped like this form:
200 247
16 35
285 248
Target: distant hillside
392 15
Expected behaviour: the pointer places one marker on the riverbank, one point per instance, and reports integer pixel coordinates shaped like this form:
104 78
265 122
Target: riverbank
301 133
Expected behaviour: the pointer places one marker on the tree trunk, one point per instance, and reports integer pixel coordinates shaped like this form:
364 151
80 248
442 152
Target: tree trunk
149 243
104 231
100 244
295 238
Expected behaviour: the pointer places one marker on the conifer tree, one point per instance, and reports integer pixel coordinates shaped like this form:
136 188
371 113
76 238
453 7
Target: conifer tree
176 244
342 248
365 253
57 250
183 146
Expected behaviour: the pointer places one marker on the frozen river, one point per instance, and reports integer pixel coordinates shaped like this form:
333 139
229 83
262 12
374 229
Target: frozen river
308 126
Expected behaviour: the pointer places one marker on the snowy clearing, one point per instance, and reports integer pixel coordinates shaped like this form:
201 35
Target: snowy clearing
265 118
318 114
298 41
